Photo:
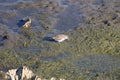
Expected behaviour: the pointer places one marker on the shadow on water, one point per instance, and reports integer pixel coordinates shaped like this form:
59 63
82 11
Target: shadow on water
49 39
21 23
97 63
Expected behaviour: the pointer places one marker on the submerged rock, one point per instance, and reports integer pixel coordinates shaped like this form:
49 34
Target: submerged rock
60 37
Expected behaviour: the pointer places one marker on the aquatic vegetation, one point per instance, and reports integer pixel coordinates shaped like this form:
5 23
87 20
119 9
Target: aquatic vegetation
54 59
98 34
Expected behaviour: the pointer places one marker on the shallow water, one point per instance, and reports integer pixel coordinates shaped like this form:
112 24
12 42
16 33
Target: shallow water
72 13
69 19
97 63
13 11
55 58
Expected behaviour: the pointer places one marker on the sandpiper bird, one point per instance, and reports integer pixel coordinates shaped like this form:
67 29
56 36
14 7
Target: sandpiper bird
60 37
27 23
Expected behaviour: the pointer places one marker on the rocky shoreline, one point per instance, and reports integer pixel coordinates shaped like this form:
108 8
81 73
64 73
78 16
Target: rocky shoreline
22 73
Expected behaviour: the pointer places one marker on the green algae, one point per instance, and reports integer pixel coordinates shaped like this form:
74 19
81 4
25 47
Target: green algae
83 41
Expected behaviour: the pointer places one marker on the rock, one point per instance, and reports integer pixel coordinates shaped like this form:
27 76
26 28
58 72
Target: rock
53 78
11 74
62 79
37 78
60 37
20 74
26 73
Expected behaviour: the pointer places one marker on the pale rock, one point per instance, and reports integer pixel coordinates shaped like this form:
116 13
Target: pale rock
11 74
26 73
53 78
62 79
23 73
19 74
37 78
